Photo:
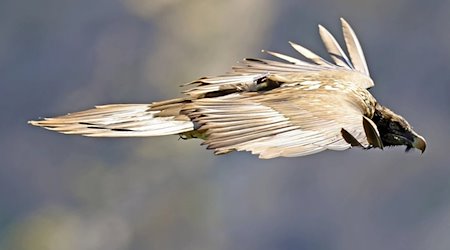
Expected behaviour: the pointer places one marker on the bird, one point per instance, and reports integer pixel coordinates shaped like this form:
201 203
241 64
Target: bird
279 107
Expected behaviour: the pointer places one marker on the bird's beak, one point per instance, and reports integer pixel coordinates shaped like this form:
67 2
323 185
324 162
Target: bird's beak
419 142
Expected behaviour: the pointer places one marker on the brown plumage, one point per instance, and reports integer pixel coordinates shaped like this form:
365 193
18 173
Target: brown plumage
271 108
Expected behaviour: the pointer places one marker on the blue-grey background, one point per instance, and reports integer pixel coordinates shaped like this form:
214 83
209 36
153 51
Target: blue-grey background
67 192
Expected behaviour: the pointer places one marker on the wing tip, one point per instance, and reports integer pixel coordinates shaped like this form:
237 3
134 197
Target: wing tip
35 122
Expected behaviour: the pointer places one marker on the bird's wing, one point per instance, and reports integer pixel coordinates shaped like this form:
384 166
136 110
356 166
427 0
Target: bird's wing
282 122
119 120
250 72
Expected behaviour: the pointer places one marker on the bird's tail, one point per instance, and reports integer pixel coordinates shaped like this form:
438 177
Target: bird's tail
122 120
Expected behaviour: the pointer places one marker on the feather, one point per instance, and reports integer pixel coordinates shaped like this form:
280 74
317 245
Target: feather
287 58
373 136
310 55
335 51
354 48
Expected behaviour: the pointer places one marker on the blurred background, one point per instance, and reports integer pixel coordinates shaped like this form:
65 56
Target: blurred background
67 192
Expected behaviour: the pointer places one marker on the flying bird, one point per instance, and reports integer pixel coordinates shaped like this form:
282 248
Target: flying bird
284 107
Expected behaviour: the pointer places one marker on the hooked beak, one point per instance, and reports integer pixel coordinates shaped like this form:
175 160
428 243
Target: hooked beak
419 142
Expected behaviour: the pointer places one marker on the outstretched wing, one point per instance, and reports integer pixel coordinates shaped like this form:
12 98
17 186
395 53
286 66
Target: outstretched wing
119 120
252 72
283 122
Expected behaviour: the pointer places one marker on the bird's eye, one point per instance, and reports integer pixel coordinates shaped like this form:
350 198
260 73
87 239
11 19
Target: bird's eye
394 126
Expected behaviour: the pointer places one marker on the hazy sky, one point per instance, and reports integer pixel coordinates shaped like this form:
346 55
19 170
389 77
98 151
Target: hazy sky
67 192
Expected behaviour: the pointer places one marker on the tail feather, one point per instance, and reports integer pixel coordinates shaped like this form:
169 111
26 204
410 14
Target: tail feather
117 120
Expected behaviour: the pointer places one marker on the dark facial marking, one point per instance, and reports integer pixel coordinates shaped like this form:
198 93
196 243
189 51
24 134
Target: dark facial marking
394 130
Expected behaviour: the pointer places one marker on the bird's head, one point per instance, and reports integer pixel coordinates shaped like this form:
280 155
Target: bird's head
395 130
